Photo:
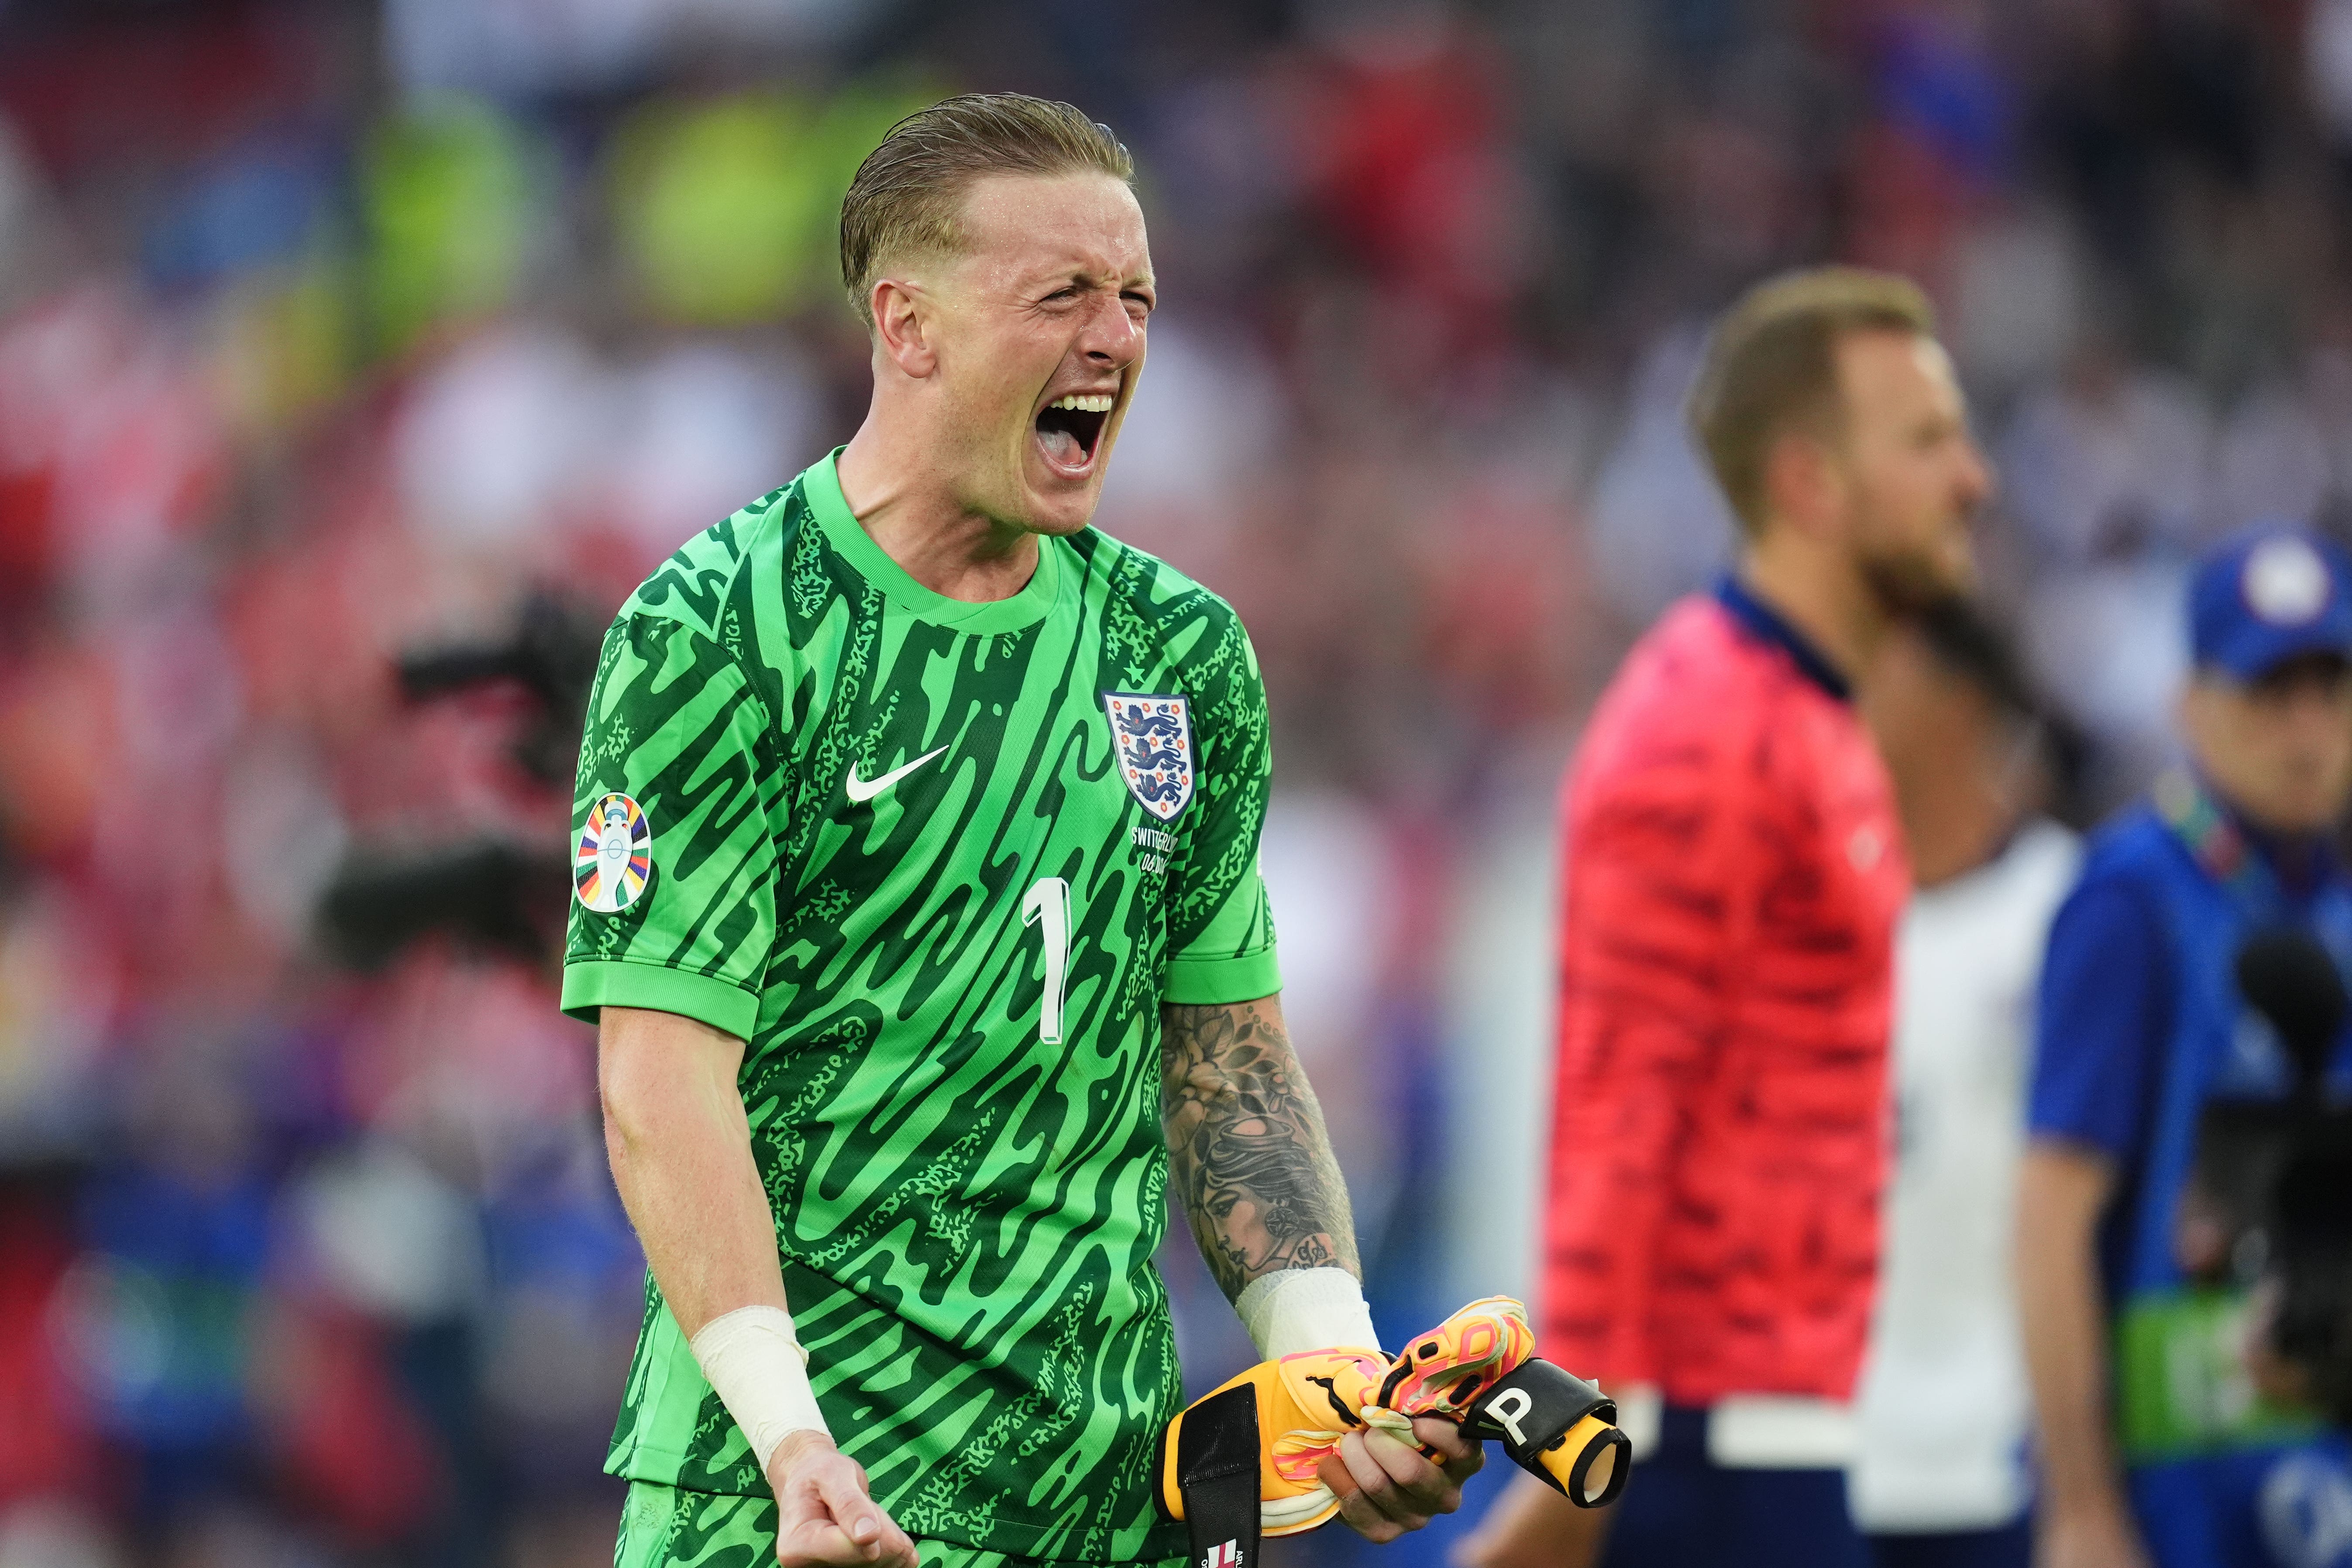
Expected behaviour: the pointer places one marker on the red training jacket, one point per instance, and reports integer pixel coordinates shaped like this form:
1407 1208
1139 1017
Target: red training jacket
1734 875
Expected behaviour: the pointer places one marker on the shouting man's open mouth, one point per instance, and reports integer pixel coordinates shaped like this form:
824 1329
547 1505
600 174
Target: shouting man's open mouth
1069 430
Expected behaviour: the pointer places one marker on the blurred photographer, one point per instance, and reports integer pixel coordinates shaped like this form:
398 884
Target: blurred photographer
2155 1444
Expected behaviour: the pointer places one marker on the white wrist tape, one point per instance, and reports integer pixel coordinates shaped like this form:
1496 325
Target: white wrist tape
755 1362
1305 1310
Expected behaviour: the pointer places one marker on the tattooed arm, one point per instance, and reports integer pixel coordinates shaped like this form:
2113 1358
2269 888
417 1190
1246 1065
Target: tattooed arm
1251 1165
1247 1153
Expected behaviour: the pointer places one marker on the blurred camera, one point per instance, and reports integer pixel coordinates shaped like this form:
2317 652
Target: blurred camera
551 655
485 890
2269 1203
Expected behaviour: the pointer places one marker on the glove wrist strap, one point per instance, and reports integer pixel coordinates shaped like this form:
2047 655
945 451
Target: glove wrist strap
1217 1461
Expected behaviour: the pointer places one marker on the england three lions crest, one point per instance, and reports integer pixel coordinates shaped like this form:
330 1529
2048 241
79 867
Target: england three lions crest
1153 739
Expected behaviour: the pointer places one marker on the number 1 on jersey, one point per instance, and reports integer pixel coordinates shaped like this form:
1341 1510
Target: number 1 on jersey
1046 906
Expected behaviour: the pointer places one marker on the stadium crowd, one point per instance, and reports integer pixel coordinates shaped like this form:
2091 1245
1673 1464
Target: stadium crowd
332 335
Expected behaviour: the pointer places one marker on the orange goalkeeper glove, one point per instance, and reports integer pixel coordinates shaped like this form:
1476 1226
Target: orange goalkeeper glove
1280 1419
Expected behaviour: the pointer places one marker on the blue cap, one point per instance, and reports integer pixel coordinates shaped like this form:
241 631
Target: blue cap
2266 595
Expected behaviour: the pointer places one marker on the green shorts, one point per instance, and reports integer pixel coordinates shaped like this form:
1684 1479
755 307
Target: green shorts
663 1527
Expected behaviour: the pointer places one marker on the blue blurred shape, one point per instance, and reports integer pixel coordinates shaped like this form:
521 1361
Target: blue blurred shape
253 207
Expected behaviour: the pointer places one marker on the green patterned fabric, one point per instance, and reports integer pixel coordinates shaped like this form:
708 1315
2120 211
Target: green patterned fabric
663 1527
966 1167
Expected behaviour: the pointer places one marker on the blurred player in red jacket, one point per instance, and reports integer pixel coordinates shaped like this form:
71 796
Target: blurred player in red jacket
1734 875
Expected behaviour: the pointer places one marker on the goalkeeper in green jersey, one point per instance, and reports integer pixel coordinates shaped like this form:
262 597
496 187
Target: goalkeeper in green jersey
917 906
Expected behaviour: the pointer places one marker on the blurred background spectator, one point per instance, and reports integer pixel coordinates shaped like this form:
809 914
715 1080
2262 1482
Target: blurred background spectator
331 331
1941 1473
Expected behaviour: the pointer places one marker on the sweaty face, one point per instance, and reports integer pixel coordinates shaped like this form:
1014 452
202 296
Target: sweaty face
1912 476
1039 326
2279 749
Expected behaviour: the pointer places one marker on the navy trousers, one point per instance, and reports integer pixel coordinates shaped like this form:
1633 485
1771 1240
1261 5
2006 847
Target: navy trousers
1681 1509
2009 1547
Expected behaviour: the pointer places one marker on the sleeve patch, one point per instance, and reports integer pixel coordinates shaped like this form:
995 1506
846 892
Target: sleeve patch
614 855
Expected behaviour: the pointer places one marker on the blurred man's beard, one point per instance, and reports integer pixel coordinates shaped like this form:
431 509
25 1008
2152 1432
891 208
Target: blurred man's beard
1909 584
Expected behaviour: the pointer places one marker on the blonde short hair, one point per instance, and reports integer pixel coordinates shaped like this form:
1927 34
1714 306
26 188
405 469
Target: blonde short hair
905 194
1771 366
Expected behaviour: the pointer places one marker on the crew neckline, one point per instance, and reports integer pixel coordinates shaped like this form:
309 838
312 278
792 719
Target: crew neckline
821 486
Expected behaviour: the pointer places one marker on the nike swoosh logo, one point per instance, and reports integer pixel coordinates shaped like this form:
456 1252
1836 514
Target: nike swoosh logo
860 790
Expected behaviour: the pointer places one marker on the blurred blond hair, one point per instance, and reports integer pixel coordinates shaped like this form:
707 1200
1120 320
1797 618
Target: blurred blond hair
1772 367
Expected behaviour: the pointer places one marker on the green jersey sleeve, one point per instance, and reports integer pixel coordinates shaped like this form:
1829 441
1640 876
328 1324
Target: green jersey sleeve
674 832
1220 928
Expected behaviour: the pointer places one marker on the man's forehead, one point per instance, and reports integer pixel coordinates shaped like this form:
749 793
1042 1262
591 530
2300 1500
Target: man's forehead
2321 667
1935 361
1883 362
1057 222
1897 349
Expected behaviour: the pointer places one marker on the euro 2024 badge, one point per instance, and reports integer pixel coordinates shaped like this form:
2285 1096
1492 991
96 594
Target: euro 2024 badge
1153 739
614 855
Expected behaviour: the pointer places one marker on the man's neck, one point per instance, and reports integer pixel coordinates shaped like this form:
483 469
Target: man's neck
910 511
1953 825
1819 592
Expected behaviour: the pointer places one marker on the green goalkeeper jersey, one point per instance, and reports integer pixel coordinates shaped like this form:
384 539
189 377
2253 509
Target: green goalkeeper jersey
939 864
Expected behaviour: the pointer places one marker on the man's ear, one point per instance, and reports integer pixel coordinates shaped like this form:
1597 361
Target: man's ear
2203 711
902 327
2191 707
1802 484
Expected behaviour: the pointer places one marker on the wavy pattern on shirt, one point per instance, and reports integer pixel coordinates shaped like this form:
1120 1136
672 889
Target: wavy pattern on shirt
662 1527
966 1215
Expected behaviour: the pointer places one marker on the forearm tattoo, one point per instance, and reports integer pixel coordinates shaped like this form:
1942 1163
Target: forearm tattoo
1248 1157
